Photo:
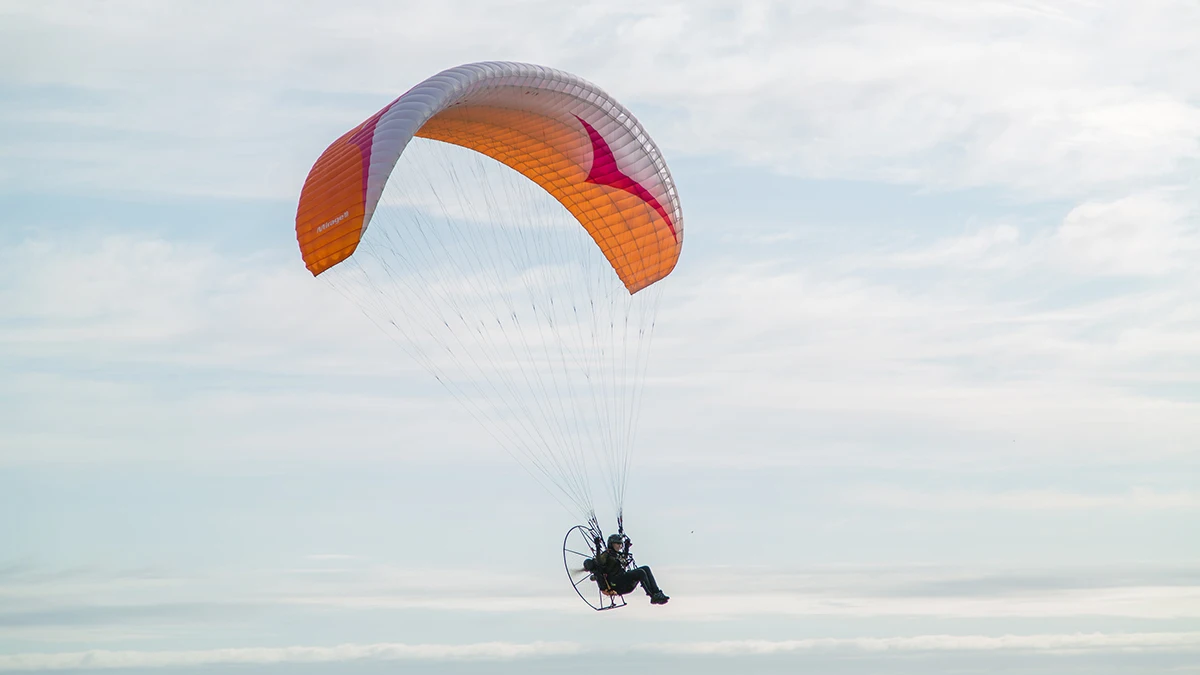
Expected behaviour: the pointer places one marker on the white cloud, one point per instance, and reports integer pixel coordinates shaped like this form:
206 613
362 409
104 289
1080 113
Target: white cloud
1182 642
745 591
250 103
103 660
1137 499
1061 643
1150 234
160 608
1062 100
103 330
989 247
873 592
980 367
996 93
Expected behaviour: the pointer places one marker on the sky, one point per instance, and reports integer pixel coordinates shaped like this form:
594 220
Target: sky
925 392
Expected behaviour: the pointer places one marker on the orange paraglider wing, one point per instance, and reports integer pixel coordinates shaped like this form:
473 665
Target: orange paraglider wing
563 133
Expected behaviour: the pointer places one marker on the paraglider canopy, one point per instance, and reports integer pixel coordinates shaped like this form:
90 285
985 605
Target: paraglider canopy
508 224
557 130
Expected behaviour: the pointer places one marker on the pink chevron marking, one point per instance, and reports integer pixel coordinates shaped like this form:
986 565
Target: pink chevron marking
605 172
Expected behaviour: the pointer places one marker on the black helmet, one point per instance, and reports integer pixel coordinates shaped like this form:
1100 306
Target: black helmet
616 539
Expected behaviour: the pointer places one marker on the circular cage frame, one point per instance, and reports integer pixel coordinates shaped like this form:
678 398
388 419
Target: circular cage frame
578 540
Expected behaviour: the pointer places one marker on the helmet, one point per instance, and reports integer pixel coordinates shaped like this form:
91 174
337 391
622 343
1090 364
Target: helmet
616 539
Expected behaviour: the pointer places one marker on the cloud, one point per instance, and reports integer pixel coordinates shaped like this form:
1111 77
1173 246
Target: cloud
1182 642
846 592
932 591
101 325
922 93
1063 643
161 613
989 248
237 127
1145 234
47 610
1136 499
998 340
975 366
1149 233
1042 101
103 660
981 365
934 582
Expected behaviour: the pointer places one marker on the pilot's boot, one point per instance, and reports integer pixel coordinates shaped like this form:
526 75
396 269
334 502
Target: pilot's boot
659 598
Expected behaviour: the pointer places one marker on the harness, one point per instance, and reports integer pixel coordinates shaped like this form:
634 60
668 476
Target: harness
625 558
